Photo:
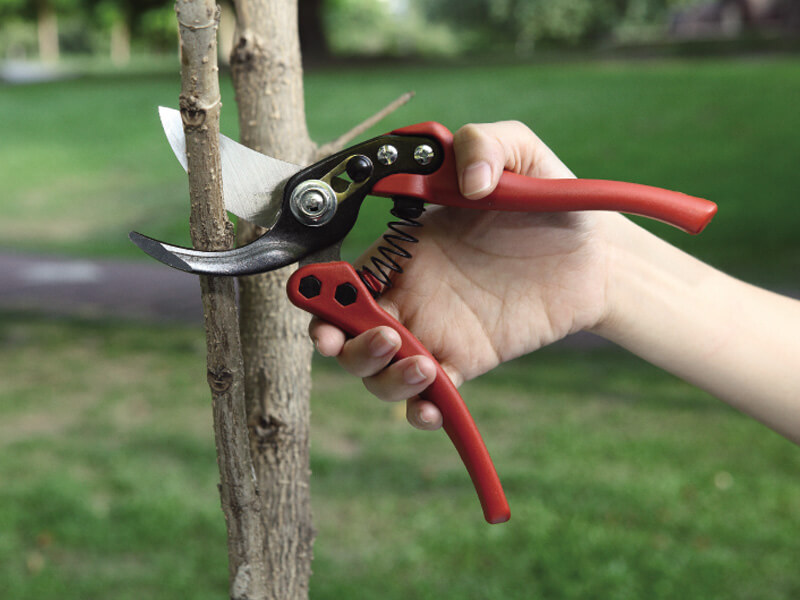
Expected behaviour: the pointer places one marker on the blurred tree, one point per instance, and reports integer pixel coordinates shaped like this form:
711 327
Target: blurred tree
121 20
152 19
387 27
526 23
155 26
48 31
313 37
111 16
44 13
11 13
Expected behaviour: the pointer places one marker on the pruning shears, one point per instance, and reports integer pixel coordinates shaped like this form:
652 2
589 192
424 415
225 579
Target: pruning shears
308 211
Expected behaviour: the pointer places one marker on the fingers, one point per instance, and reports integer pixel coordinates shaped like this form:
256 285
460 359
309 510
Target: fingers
423 414
407 378
368 353
328 339
362 356
404 379
484 151
369 356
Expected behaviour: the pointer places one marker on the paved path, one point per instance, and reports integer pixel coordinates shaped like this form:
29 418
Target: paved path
128 289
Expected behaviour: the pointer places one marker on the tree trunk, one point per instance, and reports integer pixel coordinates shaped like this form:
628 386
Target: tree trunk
120 42
48 33
268 80
211 230
227 26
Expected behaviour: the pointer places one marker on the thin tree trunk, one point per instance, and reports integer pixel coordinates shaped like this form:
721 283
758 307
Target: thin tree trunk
268 80
227 27
211 230
120 41
48 33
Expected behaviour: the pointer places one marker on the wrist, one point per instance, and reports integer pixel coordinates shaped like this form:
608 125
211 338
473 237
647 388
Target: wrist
619 276
650 285
665 306
734 340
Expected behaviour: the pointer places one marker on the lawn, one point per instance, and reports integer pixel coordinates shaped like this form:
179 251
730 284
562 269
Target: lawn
623 481
84 161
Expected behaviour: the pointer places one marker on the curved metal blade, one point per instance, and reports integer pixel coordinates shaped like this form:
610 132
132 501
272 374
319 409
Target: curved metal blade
252 183
266 253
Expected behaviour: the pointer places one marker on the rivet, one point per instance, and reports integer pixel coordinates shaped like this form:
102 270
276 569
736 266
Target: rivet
423 154
387 154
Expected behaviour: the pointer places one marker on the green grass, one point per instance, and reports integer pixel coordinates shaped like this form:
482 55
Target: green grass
623 482
84 161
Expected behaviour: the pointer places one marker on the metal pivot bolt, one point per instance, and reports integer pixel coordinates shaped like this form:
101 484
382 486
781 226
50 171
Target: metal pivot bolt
313 203
423 154
387 154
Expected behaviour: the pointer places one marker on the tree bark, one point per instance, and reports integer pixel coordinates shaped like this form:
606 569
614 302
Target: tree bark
210 230
227 25
268 80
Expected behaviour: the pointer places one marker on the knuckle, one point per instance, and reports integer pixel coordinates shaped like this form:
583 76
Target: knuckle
377 388
469 133
515 124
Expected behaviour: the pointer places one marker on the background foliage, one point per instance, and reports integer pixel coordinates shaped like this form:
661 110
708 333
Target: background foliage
624 482
524 24
378 27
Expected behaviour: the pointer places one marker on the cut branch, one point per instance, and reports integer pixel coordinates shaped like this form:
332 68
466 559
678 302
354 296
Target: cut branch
211 230
356 131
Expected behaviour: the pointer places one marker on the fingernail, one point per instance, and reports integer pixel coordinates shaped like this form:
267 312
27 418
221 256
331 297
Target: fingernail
412 375
381 344
316 345
476 178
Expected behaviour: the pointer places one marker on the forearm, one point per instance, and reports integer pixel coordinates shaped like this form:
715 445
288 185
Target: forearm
738 342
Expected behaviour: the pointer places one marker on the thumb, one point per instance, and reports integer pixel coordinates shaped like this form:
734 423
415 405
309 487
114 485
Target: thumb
483 151
480 160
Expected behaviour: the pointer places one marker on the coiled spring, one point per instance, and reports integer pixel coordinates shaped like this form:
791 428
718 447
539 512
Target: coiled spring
378 277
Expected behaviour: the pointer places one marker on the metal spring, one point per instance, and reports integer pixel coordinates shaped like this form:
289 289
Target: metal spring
379 277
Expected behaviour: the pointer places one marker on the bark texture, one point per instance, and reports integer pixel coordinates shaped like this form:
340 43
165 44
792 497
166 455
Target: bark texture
268 79
210 230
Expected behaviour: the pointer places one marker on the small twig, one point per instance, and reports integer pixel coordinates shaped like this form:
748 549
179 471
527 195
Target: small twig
343 139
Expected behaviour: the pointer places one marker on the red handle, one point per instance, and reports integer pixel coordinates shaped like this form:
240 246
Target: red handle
334 292
528 194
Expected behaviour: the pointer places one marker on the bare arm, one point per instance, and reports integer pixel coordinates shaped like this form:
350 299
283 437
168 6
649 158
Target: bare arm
738 342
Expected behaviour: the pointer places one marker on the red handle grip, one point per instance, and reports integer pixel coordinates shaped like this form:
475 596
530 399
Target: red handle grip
334 292
528 194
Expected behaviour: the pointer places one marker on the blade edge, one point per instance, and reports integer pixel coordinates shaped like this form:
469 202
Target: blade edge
252 183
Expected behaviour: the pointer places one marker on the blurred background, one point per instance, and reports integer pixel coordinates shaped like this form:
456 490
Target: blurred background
624 482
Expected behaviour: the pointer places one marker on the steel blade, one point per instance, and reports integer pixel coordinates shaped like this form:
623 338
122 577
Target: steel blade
266 253
252 183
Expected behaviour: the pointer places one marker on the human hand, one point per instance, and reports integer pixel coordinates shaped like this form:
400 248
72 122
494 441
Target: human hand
485 286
